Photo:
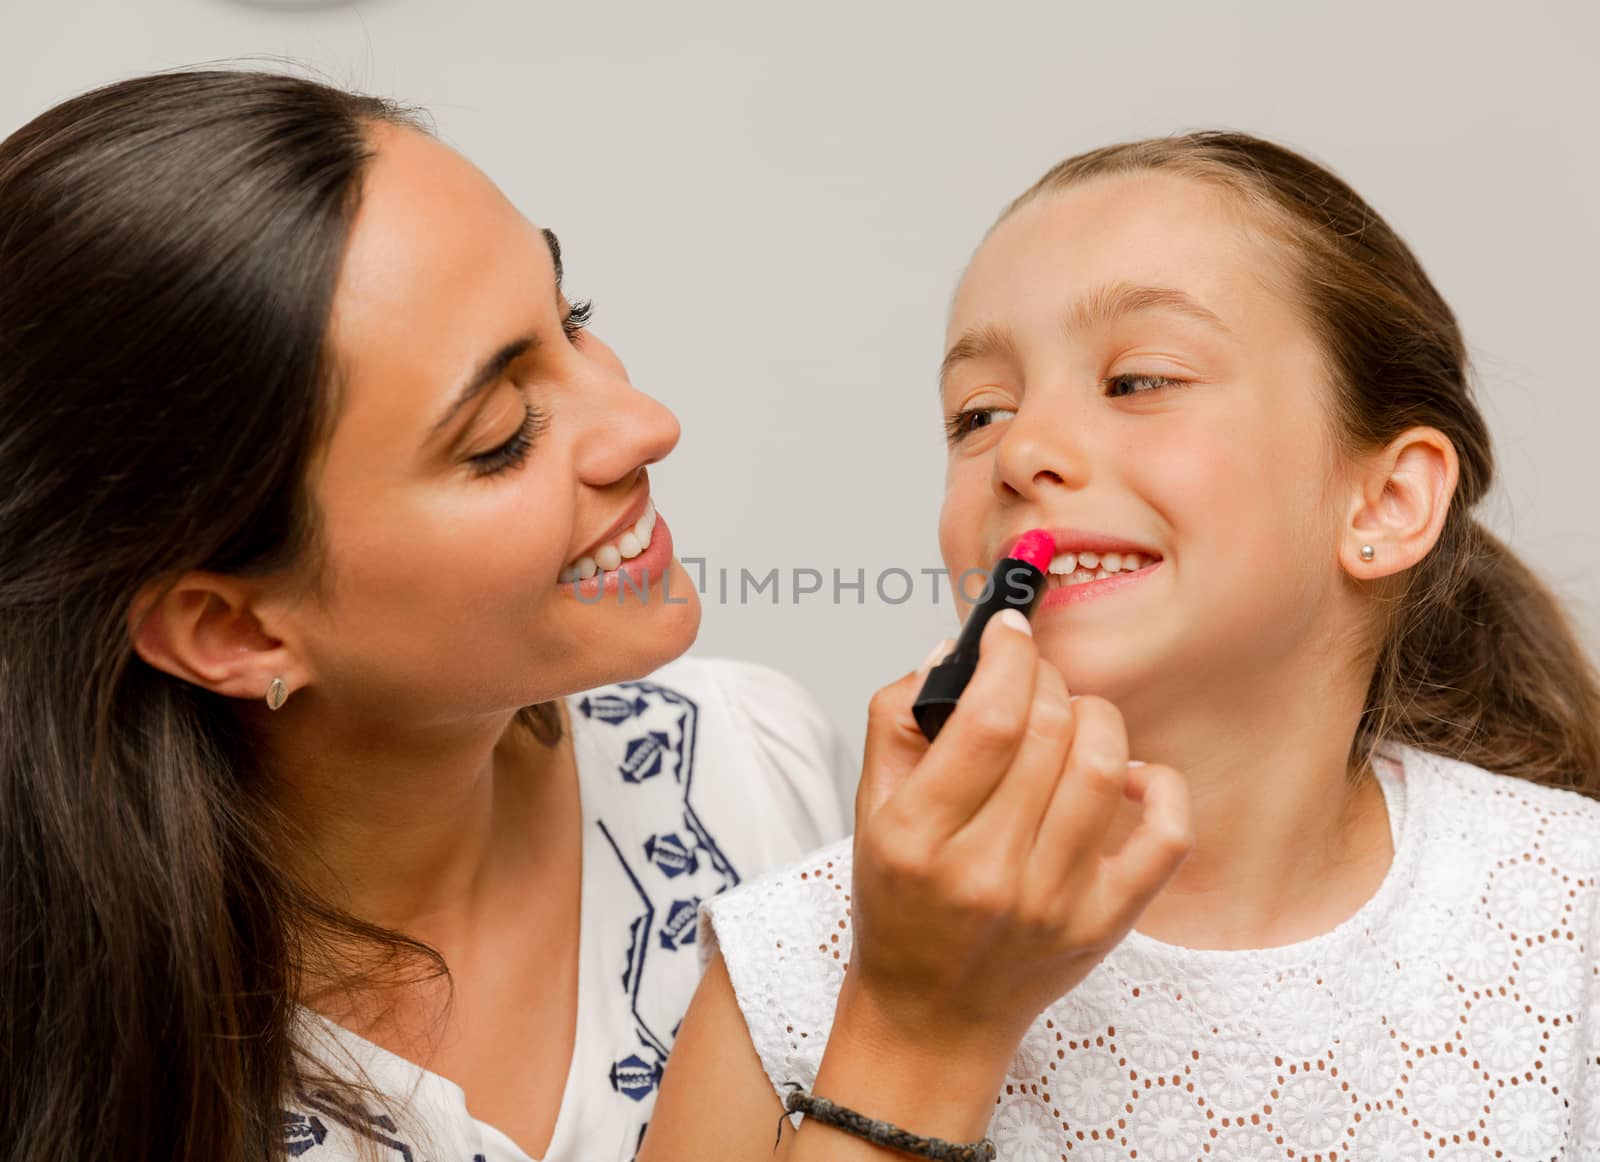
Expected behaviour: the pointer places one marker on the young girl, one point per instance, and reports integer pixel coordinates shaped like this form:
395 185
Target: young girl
1231 392
335 819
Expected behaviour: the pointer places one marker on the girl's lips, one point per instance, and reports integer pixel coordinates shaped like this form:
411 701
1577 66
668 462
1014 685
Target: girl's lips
1059 595
647 573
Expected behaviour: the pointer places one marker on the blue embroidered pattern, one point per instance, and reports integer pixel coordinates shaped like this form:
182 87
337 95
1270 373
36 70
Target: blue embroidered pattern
671 869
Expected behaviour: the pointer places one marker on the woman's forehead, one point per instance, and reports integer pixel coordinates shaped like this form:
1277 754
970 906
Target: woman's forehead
438 266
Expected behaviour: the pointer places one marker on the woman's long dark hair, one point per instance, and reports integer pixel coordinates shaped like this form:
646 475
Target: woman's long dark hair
169 249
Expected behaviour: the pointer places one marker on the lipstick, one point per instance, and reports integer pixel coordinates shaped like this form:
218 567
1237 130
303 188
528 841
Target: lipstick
1017 582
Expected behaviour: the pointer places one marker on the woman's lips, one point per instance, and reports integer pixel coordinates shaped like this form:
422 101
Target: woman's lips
646 573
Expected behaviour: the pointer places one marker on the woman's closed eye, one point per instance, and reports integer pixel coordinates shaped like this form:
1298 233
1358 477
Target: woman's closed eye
514 451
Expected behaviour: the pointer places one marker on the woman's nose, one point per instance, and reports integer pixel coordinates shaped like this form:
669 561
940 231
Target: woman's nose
625 430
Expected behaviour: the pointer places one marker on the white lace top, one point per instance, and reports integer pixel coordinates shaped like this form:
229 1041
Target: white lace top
1455 1016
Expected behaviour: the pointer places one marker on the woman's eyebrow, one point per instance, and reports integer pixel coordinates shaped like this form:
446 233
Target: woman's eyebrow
1099 308
492 368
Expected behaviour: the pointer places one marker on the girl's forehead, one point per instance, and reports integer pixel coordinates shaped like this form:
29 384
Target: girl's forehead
1068 251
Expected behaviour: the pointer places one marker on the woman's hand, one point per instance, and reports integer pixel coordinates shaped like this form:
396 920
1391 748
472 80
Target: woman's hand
982 891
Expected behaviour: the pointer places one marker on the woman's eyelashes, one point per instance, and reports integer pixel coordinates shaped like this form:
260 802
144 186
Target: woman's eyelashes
577 318
514 451
961 424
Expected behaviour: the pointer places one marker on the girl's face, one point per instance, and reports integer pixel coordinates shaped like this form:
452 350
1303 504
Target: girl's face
485 446
1119 371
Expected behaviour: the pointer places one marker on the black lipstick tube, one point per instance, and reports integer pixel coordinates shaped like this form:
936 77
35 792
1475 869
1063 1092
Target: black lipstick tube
1015 584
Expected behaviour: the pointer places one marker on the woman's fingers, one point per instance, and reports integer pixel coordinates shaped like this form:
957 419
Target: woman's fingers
975 747
1008 822
1085 798
1153 851
893 748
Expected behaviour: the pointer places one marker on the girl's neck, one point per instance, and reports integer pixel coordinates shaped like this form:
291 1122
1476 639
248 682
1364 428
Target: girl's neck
1288 841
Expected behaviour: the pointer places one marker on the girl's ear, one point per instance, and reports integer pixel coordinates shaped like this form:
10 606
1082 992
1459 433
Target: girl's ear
1400 497
205 630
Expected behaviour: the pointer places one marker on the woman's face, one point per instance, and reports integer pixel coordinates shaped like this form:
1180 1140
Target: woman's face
485 448
1200 443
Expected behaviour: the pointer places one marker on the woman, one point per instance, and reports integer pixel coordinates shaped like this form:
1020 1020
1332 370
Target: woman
332 806
1236 399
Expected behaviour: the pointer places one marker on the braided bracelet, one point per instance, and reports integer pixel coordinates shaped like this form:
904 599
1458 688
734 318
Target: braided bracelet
799 1101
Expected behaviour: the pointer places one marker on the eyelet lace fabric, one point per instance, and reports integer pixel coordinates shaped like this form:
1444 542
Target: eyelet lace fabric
1454 1016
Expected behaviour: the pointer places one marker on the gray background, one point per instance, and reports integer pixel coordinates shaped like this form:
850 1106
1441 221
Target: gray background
771 204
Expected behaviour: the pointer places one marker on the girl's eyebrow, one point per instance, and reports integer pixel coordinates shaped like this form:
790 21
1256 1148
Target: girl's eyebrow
1099 308
1105 305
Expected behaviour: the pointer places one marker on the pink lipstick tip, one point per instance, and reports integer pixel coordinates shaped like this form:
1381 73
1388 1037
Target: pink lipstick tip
1036 547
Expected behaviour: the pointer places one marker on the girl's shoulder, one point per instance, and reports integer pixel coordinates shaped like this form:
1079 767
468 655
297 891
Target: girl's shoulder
1505 819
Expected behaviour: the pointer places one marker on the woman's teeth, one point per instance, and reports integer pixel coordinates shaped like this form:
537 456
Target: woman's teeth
607 557
1081 568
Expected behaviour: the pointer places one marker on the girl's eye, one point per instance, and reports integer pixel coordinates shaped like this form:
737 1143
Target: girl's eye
1157 382
514 451
959 425
577 318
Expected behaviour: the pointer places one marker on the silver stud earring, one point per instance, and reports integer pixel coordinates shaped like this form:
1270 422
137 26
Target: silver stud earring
1368 552
277 694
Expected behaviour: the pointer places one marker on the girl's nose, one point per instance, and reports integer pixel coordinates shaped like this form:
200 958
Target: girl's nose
1039 450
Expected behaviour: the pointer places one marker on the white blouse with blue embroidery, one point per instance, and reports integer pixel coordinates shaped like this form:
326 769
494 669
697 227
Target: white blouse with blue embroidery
702 776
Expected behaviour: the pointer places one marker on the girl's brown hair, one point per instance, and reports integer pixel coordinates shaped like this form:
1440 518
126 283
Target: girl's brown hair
1476 659
169 249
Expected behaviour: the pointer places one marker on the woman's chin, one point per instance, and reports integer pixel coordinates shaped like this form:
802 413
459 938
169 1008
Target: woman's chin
644 636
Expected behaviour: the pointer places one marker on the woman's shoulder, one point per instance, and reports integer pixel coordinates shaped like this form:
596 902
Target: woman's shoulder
780 727
743 744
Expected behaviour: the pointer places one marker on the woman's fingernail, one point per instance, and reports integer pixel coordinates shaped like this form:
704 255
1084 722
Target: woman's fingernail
1014 619
935 654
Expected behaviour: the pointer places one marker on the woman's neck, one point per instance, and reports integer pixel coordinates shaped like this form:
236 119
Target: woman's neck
413 829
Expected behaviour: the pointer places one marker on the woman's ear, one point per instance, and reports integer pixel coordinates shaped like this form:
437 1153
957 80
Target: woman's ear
205 629
1400 498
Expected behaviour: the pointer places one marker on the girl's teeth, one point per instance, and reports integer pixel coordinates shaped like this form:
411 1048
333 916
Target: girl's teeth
1082 568
587 567
607 557
628 545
